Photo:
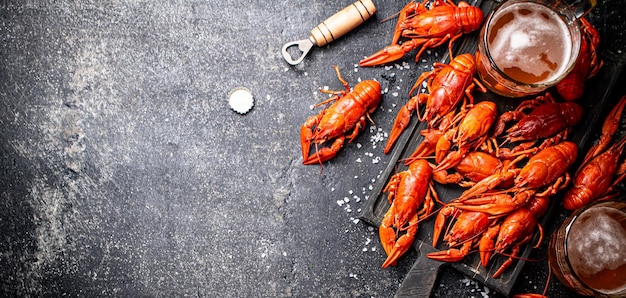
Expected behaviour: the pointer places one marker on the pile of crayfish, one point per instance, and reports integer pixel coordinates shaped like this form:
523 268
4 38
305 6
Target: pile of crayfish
509 163
509 172
603 167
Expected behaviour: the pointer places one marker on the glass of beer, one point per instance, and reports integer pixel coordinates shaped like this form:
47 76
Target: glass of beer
527 46
587 252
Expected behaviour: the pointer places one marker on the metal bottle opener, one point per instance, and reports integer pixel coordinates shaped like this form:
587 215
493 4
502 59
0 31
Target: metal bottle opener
332 28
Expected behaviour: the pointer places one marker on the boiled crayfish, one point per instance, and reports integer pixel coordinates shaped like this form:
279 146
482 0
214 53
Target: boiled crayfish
345 118
511 233
547 120
474 167
601 169
470 133
588 64
411 195
447 85
466 231
545 171
428 28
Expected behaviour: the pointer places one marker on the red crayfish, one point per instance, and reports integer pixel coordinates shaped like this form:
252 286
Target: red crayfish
447 85
467 229
512 232
588 64
428 28
600 170
345 118
475 166
470 133
411 194
547 119
548 168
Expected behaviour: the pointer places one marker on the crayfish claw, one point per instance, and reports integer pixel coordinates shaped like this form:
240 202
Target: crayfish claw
400 247
450 255
390 53
400 124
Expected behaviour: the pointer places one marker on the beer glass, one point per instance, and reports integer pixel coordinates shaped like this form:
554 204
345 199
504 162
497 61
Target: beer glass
587 252
527 46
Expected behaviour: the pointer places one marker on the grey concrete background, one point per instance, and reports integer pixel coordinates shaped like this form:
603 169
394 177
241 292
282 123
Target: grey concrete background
125 173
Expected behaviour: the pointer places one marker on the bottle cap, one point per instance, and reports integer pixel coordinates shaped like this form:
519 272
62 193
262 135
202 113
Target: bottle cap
241 100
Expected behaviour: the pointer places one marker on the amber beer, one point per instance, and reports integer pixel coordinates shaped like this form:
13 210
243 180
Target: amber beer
526 47
587 252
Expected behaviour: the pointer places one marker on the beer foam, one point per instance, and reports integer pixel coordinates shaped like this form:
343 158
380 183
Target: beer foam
601 245
532 40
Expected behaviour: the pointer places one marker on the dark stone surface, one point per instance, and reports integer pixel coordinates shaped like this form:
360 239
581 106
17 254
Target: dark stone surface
125 173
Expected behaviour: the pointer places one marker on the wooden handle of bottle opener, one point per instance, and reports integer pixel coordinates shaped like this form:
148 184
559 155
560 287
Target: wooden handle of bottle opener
342 22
